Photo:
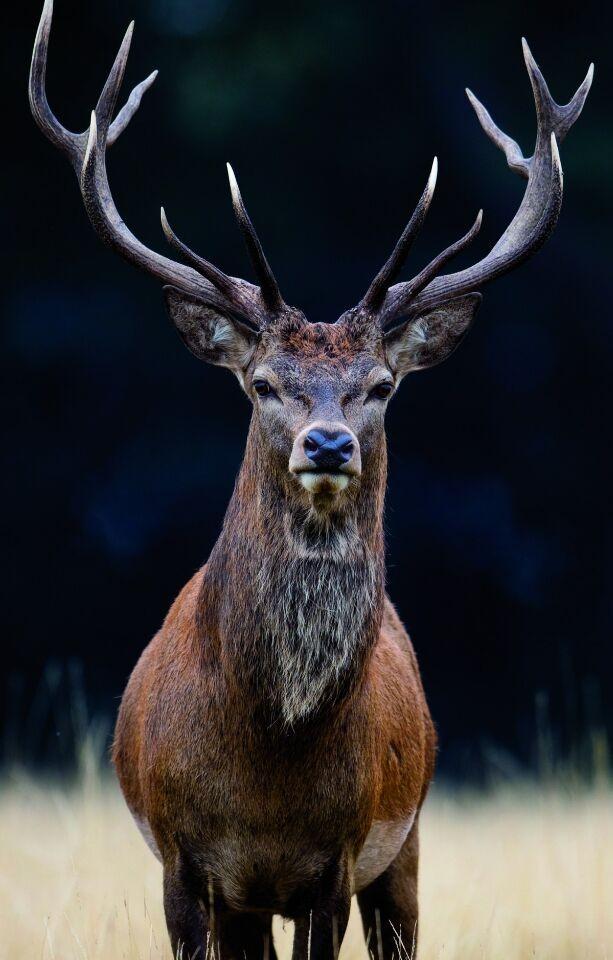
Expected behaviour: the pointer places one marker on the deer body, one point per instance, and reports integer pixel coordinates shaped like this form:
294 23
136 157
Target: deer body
274 743
239 676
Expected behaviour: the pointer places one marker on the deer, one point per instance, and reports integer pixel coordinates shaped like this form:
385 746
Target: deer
274 743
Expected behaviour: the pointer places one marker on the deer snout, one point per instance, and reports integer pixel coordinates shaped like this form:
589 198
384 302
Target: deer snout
328 449
325 456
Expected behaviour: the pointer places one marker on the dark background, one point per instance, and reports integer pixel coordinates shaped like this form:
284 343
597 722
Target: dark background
121 449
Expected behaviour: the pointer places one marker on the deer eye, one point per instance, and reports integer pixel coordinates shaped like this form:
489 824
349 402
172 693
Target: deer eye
382 391
262 388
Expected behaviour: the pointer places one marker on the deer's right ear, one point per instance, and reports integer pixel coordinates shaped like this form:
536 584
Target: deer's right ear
210 334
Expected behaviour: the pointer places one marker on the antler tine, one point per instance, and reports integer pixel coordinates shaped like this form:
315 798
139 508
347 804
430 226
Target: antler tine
108 98
375 294
423 278
212 273
72 144
553 117
538 212
107 101
266 279
129 108
509 147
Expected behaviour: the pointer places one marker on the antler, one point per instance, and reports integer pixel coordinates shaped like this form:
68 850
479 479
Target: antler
532 225
376 292
87 154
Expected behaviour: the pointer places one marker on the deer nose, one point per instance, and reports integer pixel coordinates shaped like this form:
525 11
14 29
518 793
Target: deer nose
328 450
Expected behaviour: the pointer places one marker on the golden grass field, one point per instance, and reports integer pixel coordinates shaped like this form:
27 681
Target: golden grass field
515 874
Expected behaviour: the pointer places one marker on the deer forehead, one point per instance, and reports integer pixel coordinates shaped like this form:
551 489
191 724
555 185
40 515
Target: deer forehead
316 351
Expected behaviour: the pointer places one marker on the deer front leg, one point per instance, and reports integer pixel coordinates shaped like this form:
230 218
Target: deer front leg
244 936
188 926
202 928
319 934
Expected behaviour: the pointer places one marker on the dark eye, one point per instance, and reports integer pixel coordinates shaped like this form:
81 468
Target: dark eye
262 388
382 390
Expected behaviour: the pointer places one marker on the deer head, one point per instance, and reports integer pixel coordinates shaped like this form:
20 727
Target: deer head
319 390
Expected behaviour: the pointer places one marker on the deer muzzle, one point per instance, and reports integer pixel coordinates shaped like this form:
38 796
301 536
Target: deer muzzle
325 456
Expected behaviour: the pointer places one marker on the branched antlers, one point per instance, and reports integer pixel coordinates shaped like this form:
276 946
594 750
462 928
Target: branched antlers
527 232
258 305
87 154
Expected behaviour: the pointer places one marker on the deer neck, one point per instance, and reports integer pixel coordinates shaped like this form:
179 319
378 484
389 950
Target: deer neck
297 598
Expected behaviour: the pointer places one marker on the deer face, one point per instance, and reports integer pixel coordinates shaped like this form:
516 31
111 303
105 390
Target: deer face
320 390
320 397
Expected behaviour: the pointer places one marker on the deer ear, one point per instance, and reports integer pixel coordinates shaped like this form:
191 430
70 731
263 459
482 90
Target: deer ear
431 337
210 335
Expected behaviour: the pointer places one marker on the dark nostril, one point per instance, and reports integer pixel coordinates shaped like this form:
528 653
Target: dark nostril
328 450
344 447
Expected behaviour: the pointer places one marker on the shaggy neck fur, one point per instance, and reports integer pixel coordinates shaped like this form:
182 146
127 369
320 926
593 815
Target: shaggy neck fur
298 595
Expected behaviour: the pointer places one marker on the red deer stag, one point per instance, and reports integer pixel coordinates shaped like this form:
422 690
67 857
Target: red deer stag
274 743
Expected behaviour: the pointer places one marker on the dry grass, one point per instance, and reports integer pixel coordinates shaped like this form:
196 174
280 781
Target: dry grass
517 874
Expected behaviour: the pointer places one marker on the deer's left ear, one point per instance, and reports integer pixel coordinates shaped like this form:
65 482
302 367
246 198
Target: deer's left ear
431 337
